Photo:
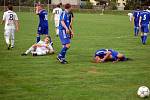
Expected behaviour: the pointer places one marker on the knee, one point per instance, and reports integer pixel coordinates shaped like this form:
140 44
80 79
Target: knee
68 45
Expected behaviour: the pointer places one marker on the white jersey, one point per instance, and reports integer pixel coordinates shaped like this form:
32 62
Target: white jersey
9 17
44 46
57 13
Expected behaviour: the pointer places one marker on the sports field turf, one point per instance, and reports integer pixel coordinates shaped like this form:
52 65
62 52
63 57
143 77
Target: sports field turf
44 78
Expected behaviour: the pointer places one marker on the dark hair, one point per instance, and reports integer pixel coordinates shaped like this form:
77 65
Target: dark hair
58 5
137 7
67 6
145 7
10 7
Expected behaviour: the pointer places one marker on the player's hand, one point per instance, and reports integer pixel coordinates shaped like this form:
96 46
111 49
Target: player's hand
102 60
72 35
67 31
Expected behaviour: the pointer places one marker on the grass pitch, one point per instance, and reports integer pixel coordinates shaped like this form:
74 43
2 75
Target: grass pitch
44 78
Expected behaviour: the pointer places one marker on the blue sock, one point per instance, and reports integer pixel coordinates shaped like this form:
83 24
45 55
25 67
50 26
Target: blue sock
142 38
135 31
63 52
37 39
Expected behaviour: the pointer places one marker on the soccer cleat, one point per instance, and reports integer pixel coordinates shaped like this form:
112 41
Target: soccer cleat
64 62
59 59
8 47
34 54
12 46
23 54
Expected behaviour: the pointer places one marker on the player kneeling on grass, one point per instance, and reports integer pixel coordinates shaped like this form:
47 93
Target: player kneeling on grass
104 55
41 48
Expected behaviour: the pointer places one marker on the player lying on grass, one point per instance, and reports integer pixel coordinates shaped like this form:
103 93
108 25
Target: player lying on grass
41 48
104 55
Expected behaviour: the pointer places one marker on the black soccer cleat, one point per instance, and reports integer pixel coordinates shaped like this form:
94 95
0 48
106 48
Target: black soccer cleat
23 54
34 54
8 47
64 62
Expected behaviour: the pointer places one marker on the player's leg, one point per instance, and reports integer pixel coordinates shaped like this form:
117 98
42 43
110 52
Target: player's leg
57 27
39 32
30 50
12 38
38 52
66 45
136 31
7 38
142 34
146 30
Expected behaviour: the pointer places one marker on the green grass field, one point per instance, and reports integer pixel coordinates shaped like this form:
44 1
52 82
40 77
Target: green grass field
44 78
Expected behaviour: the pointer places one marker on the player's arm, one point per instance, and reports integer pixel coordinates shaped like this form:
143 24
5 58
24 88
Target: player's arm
140 21
37 10
108 53
16 22
64 25
3 20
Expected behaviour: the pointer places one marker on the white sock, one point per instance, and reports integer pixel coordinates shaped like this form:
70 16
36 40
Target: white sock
57 32
29 50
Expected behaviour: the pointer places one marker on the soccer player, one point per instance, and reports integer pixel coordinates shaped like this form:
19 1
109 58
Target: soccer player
136 17
57 13
40 48
64 33
104 55
11 25
43 22
144 25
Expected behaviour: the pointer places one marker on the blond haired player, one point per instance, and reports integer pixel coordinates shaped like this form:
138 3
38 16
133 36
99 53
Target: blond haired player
41 48
11 25
57 13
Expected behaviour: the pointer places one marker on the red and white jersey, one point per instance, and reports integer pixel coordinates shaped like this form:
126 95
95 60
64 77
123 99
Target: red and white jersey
10 17
57 13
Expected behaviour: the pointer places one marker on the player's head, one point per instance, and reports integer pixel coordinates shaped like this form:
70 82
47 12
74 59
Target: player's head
137 7
40 6
145 8
96 59
47 39
58 5
68 7
10 7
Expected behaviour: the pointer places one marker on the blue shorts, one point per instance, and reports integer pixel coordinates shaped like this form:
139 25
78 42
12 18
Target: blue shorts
64 37
42 30
136 24
114 54
144 28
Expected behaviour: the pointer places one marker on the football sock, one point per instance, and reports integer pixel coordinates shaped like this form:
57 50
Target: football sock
29 50
142 38
63 51
38 39
7 40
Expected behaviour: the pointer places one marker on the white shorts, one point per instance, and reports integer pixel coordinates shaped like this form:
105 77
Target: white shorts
41 52
56 23
10 33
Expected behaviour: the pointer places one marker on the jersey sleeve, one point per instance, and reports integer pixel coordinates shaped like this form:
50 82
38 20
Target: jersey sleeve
4 16
16 17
